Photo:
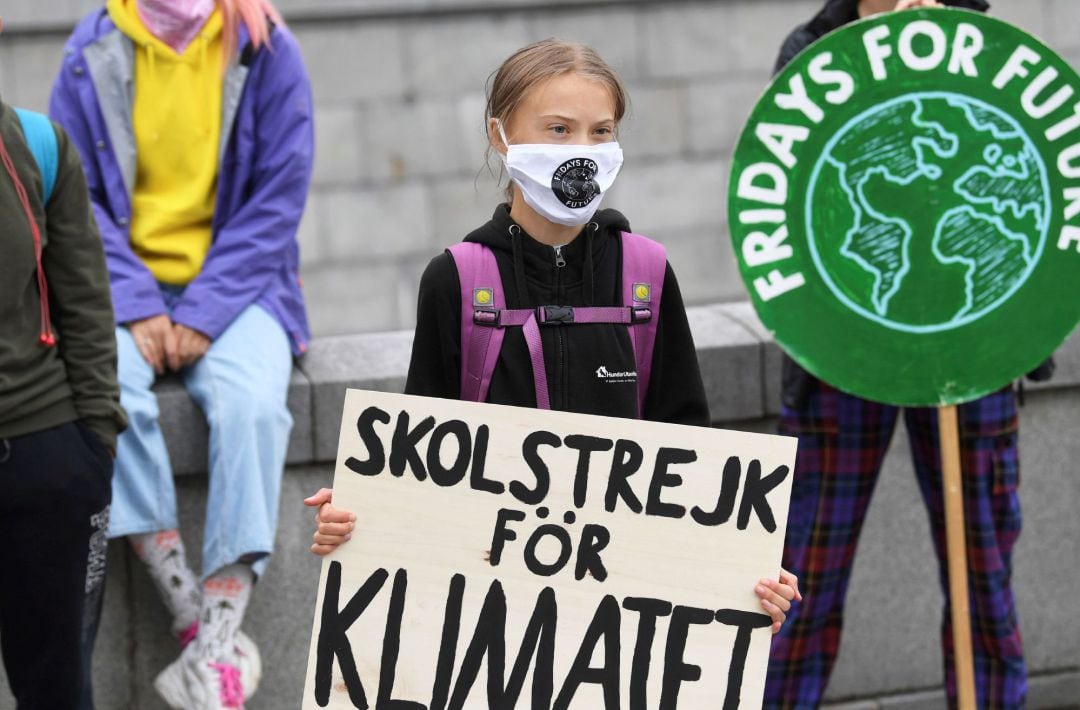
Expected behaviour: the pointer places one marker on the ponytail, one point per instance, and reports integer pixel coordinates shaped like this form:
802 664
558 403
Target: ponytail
254 14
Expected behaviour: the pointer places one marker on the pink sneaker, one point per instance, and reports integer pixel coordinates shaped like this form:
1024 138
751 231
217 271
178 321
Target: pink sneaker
195 682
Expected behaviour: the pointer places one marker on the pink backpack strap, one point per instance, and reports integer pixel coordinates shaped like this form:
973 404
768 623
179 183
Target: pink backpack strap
484 319
644 265
481 286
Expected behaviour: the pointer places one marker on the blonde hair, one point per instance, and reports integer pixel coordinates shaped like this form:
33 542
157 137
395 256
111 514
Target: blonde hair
254 15
538 62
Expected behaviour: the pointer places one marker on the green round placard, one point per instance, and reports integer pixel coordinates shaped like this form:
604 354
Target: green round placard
905 206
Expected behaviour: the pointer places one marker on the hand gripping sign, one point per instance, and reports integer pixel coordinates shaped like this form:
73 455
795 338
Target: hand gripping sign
515 558
905 206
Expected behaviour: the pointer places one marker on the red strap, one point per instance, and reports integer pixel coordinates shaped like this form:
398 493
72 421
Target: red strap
46 337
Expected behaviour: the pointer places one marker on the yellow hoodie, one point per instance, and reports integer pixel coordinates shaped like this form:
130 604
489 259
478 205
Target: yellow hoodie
177 121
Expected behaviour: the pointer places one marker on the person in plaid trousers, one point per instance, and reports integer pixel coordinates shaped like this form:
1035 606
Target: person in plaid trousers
842 442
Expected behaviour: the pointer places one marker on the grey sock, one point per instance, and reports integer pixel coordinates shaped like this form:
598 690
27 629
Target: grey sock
224 601
163 554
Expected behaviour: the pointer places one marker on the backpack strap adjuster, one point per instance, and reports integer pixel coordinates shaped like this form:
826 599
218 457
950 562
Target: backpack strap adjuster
640 314
487 317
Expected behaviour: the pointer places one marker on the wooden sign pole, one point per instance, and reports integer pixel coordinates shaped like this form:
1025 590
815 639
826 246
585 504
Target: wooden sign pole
949 432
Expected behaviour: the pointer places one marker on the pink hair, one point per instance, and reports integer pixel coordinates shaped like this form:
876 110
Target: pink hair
254 14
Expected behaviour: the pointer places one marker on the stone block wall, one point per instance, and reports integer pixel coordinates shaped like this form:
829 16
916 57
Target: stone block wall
399 88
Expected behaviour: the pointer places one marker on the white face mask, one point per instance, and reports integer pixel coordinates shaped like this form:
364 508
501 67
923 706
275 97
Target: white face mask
563 183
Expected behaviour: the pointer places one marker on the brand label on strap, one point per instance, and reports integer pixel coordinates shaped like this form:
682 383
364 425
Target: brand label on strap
483 296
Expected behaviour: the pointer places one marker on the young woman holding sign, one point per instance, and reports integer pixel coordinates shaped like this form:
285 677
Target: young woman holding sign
621 345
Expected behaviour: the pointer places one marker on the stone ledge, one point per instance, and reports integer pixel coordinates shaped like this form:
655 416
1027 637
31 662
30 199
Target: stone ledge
740 365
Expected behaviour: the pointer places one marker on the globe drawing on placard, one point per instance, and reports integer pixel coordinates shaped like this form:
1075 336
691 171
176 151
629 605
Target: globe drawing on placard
928 163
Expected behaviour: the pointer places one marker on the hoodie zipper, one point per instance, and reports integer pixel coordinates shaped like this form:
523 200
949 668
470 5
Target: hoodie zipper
558 395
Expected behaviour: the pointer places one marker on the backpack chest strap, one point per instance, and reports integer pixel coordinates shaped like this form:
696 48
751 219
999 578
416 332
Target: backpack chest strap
562 315
530 321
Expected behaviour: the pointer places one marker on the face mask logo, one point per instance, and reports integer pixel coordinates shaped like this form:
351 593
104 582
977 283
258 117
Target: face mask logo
574 183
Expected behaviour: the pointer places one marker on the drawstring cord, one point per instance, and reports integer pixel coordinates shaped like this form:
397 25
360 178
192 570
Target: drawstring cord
7 451
46 336
590 277
519 265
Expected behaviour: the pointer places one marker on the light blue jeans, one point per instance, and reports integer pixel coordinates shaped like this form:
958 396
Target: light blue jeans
241 386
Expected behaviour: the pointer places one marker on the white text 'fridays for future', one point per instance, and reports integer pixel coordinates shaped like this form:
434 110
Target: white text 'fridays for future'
766 183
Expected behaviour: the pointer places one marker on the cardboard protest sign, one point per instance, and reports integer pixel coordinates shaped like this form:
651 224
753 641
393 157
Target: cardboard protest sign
508 557
905 206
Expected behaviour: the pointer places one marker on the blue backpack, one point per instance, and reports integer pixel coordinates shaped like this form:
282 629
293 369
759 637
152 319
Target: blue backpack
41 138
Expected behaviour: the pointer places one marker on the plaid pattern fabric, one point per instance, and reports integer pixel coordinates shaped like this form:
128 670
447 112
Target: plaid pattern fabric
842 441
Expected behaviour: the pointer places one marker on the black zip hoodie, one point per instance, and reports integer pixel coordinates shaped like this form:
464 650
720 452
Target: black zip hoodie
579 358
797 382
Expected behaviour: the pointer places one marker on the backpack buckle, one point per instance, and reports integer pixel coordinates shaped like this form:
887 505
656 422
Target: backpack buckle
487 317
640 314
555 315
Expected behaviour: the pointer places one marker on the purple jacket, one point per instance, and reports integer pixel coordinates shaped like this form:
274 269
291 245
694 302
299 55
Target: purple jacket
266 157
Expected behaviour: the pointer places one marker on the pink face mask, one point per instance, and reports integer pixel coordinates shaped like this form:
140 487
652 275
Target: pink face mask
175 22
